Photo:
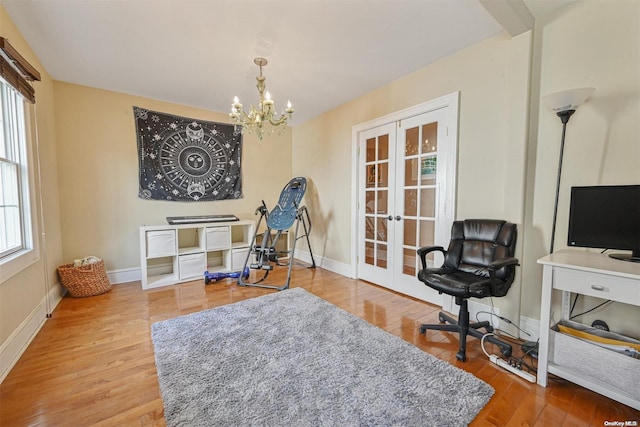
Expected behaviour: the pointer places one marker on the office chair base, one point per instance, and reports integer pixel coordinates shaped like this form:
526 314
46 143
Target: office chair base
473 330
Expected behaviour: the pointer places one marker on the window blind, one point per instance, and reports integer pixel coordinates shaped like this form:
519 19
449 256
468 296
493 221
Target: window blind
17 71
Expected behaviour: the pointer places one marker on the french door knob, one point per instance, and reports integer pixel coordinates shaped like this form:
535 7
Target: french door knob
390 218
398 217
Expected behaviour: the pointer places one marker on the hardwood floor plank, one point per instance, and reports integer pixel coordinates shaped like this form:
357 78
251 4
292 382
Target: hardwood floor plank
93 362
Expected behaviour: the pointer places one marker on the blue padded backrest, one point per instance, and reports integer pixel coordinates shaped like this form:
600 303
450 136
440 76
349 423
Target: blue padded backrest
283 215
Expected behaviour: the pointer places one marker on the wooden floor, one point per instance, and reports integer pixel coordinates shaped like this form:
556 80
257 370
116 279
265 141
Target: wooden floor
93 362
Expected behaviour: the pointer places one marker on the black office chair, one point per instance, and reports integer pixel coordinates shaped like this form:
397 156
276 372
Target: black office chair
478 263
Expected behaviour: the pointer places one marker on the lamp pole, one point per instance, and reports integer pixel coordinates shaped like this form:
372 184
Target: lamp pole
564 117
564 104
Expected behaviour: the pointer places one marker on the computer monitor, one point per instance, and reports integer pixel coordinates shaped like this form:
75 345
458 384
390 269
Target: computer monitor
607 217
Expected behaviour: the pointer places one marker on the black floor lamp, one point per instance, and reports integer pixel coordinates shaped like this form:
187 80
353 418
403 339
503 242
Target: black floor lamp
564 104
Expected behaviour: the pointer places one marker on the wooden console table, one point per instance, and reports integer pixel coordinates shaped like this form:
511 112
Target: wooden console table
600 276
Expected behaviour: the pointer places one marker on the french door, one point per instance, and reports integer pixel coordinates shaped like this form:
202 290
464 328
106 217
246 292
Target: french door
406 174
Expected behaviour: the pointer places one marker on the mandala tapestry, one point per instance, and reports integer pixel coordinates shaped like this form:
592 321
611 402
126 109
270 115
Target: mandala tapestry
186 160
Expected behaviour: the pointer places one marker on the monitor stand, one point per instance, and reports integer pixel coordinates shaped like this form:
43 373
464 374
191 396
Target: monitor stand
625 257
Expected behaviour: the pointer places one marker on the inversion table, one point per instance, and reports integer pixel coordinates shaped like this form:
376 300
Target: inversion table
287 213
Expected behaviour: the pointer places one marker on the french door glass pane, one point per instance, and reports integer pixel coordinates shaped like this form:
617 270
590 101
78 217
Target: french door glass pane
371 150
383 207
409 258
428 202
383 175
370 201
383 147
410 232
371 176
427 232
411 142
381 229
368 253
369 226
428 169
411 170
410 202
381 256
430 138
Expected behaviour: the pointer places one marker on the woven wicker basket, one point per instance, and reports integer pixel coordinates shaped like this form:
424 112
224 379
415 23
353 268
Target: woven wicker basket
84 281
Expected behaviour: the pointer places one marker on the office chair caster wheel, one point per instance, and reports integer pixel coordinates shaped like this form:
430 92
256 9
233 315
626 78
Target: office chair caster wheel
423 330
441 319
600 324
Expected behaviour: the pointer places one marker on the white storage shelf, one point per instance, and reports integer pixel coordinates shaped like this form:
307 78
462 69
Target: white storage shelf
601 370
171 254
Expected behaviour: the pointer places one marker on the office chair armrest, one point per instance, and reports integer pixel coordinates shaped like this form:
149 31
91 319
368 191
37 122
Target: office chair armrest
423 251
497 265
502 262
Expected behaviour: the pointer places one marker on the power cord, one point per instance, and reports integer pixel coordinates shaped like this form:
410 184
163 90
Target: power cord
588 311
513 365
482 343
504 319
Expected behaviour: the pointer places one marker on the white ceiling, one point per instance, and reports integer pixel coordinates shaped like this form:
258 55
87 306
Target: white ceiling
322 53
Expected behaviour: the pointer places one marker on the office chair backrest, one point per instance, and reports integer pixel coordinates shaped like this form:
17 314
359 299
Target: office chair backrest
475 243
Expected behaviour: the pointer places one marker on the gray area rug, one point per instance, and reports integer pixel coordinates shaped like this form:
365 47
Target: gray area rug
293 359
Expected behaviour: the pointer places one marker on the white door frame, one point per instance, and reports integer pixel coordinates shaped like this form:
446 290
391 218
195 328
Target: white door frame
451 100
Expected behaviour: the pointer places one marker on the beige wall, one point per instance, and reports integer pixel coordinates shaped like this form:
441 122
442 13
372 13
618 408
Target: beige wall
98 162
22 297
589 44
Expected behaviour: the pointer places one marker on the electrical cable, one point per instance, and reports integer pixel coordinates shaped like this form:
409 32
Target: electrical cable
482 343
43 234
590 310
575 300
504 319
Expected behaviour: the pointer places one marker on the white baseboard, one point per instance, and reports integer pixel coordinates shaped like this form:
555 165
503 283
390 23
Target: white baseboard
19 340
124 275
326 263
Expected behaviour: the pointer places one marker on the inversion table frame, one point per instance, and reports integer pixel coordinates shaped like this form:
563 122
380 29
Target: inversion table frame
281 218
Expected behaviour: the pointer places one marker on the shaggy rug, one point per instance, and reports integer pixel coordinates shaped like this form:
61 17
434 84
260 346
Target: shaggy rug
293 359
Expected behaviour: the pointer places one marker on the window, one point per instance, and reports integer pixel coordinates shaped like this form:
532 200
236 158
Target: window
18 247
15 213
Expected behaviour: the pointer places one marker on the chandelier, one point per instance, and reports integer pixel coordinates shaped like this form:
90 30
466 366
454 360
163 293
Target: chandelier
263 118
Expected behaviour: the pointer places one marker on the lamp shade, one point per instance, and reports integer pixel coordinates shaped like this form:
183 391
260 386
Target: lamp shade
567 99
